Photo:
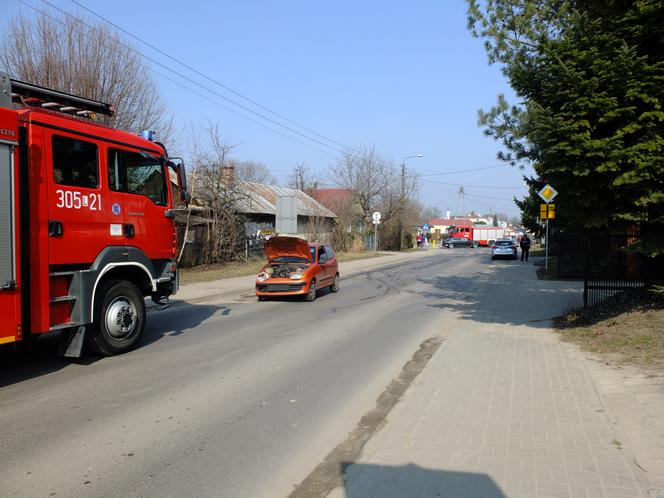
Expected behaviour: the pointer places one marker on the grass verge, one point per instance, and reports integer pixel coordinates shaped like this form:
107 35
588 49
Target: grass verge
207 273
627 329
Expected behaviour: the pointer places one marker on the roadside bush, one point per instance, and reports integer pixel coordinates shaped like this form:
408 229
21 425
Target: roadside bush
358 244
341 239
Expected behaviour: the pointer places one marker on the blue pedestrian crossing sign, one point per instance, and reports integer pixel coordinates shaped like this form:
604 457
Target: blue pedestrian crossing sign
425 226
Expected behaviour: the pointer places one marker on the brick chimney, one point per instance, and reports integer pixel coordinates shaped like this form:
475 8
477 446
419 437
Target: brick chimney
228 174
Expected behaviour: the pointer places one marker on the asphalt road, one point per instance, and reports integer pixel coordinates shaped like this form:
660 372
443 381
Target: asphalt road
239 398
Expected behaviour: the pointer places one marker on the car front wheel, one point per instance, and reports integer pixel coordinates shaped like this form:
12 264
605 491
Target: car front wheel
311 295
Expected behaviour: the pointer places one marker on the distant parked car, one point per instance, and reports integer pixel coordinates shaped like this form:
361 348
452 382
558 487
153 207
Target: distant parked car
455 242
504 248
296 267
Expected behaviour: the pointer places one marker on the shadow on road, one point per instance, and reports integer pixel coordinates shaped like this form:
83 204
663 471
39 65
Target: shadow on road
40 356
502 293
177 320
364 480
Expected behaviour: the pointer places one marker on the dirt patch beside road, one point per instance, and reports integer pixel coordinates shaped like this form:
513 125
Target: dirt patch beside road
625 330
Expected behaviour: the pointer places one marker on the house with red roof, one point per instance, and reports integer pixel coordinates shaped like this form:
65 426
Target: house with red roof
439 226
342 202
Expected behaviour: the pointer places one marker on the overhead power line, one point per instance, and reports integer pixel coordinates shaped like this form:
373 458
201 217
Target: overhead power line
470 185
493 198
480 200
205 76
171 70
463 170
148 68
240 114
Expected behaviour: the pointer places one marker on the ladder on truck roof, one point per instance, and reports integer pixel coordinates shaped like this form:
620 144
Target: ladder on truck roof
18 92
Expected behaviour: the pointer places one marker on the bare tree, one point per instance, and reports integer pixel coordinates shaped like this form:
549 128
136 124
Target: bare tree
374 181
304 179
377 185
251 171
219 195
75 56
429 213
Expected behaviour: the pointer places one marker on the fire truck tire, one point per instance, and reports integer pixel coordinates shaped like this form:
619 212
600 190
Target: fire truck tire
119 318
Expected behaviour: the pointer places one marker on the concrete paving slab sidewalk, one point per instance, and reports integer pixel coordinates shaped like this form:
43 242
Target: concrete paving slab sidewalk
243 287
504 408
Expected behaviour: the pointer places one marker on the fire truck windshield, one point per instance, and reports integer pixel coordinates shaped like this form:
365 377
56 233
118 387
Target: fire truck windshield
136 173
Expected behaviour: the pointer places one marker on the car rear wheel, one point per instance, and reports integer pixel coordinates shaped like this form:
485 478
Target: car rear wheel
335 284
311 295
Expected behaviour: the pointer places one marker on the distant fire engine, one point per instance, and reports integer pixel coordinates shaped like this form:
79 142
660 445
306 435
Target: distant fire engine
482 235
86 222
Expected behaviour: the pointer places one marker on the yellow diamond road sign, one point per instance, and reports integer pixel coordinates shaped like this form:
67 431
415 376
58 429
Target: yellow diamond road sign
548 193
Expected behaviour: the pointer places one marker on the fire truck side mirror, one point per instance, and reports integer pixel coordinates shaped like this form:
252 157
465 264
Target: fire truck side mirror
178 165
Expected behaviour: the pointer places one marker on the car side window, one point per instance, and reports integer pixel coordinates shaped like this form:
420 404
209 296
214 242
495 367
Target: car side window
329 252
322 257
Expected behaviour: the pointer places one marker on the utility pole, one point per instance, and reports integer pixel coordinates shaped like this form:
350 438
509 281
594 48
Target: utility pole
401 201
402 198
460 201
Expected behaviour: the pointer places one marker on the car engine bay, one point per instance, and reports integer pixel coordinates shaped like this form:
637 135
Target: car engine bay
283 270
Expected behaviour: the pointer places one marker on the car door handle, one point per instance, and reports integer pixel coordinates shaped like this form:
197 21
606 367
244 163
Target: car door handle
129 230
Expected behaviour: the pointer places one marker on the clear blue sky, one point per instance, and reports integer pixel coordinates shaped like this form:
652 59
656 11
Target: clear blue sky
406 77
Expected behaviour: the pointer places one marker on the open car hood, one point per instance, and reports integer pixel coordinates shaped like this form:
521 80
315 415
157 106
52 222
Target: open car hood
278 247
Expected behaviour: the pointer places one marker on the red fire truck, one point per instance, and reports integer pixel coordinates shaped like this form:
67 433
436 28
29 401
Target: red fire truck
481 235
86 222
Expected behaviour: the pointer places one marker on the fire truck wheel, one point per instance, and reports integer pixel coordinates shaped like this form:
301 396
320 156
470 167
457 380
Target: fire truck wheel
119 318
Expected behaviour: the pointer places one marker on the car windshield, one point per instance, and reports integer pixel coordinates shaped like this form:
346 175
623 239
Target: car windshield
312 252
458 239
506 243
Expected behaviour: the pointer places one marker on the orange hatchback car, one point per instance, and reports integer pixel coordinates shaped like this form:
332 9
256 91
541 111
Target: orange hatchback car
296 267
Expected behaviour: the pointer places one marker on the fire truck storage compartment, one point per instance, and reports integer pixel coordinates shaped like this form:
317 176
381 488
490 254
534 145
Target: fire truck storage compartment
7 256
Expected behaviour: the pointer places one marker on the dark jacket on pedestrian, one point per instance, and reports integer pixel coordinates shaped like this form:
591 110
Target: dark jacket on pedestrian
525 242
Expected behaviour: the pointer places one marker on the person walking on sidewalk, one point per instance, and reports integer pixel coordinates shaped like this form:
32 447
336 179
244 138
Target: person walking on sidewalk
525 246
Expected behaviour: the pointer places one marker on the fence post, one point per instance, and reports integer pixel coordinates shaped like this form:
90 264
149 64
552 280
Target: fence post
586 271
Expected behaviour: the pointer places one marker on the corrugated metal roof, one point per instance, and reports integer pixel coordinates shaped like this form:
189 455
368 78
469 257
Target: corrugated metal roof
260 198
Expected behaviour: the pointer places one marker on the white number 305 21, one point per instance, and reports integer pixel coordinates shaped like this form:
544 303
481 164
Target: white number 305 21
75 200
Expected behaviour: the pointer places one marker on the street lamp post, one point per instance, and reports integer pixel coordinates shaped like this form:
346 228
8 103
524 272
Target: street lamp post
402 199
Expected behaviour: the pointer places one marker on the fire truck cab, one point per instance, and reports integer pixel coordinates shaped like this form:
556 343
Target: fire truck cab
86 222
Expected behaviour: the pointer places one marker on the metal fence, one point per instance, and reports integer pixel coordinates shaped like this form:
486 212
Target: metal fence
608 264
